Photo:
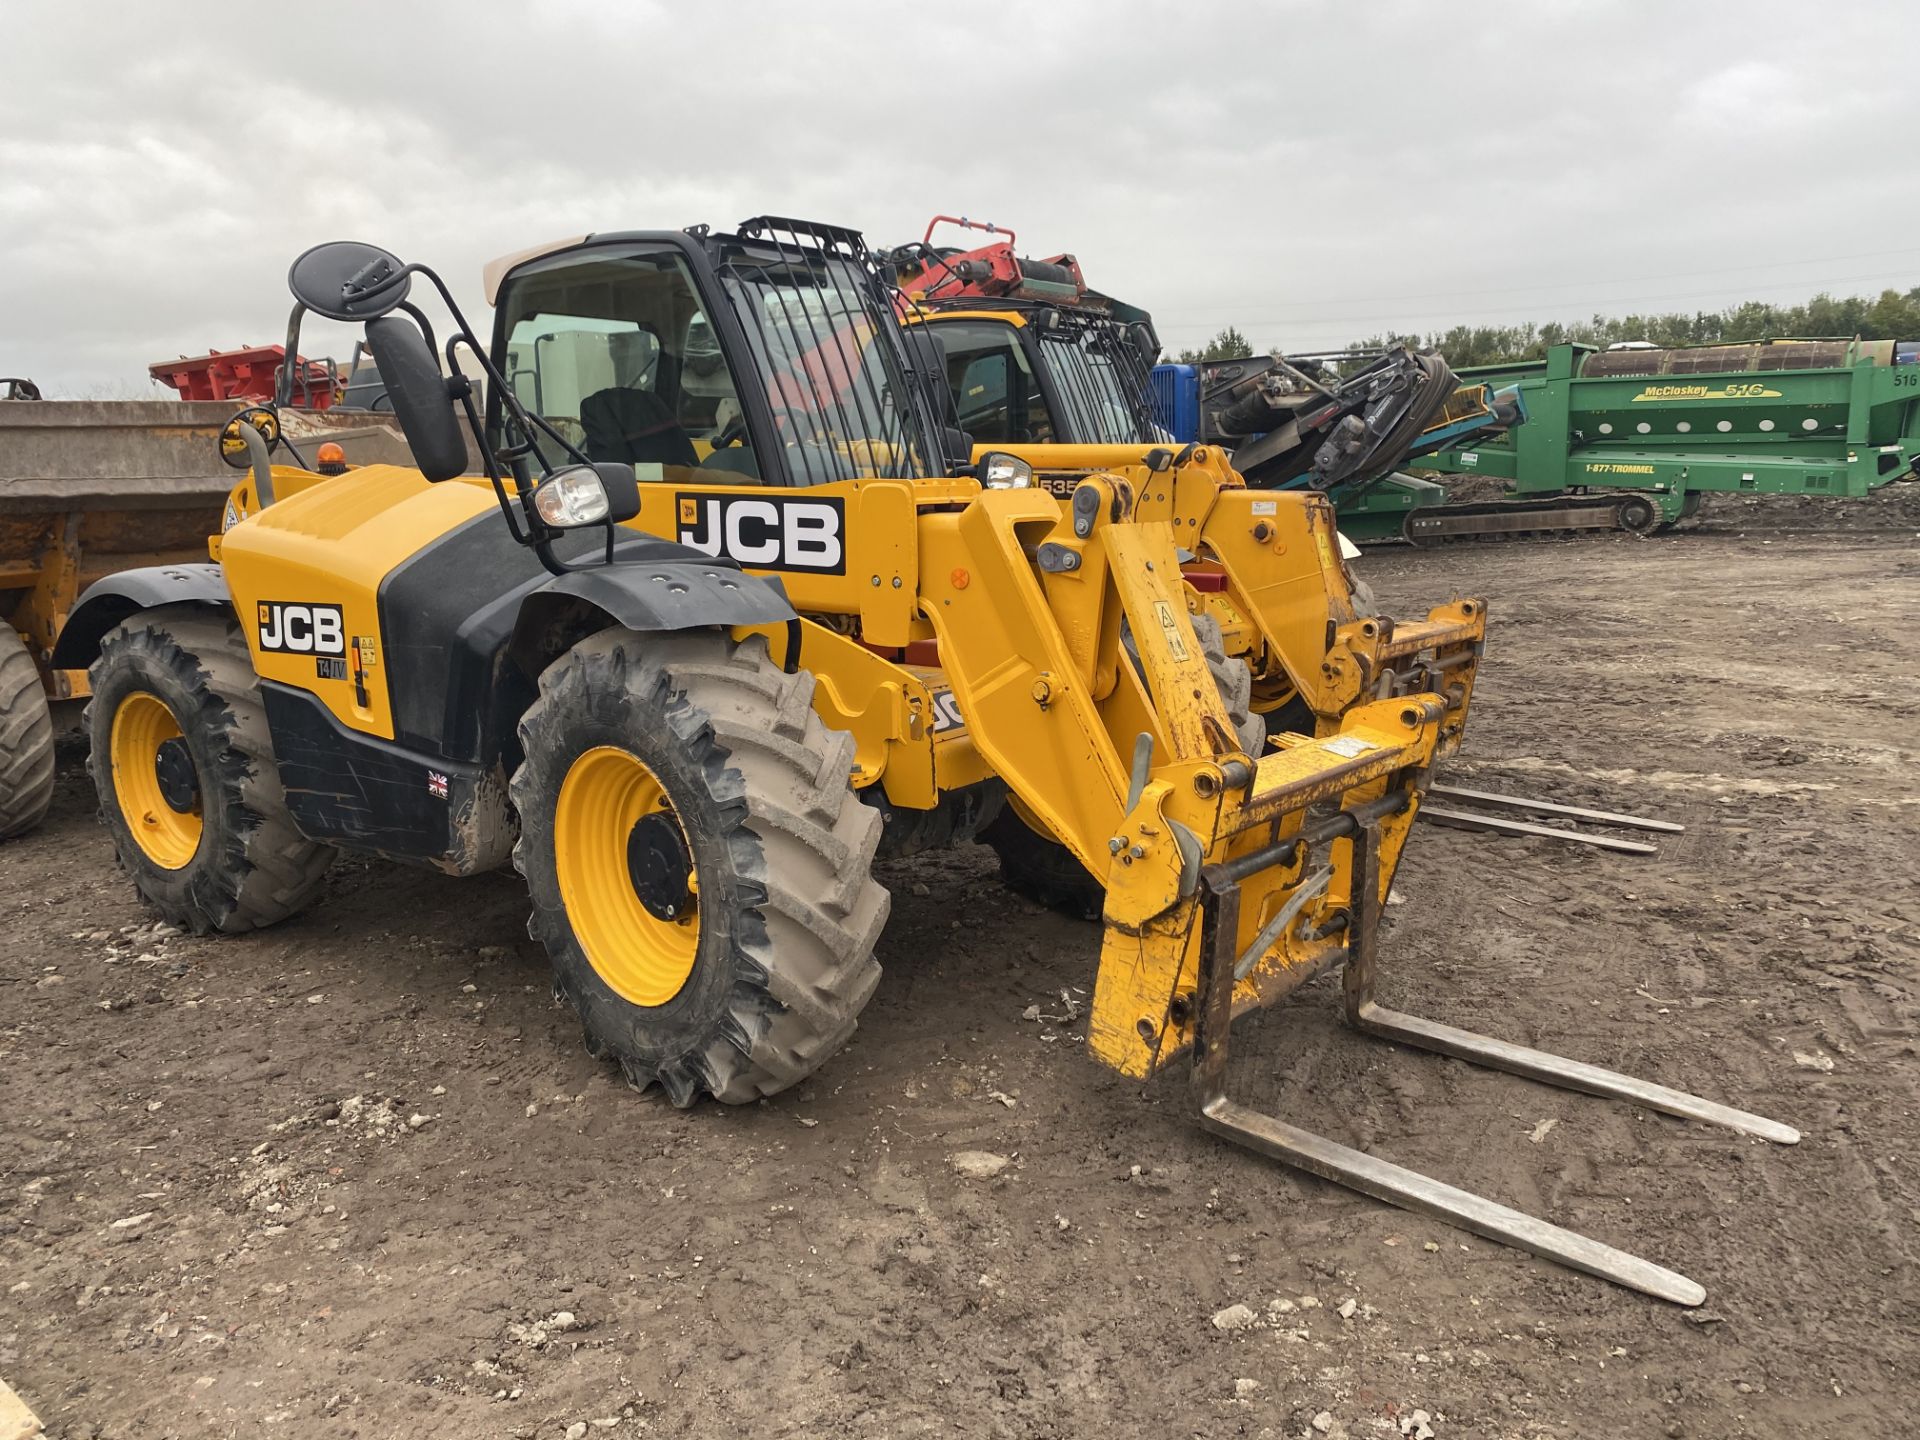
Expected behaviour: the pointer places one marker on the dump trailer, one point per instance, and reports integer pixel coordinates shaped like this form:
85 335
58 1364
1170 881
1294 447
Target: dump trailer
88 488
1633 436
251 372
693 668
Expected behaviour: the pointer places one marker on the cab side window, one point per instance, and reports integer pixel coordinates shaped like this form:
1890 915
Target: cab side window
994 393
618 358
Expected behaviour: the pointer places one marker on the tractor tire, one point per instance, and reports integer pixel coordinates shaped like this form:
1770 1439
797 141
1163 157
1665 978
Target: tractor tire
1042 869
1293 716
183 764
1045 871
26 739
699 863
1234 680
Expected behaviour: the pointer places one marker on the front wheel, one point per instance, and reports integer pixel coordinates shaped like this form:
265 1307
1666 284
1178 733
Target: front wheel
699 863
183 763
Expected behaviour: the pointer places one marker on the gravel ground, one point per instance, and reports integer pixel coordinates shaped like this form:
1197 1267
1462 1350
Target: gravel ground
357 1177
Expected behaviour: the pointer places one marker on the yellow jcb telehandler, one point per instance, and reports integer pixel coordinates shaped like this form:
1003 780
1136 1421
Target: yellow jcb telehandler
731 613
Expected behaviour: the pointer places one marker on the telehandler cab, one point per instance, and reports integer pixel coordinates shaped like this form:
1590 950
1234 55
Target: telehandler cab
732 613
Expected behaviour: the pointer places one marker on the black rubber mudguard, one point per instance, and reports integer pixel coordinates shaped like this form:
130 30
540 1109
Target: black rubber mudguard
668 593
109 601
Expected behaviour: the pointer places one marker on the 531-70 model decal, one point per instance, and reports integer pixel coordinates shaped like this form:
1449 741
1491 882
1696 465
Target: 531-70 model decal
767 532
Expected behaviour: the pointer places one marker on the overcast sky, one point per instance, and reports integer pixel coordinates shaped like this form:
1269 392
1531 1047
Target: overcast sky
1311 172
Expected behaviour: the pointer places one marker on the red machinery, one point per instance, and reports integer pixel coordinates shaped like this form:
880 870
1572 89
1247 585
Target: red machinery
930 273
249 374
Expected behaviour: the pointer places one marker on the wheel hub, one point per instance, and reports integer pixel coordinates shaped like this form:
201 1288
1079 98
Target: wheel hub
179 784
659 867
154 784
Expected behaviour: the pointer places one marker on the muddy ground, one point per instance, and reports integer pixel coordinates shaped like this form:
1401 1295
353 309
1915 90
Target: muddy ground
219 1216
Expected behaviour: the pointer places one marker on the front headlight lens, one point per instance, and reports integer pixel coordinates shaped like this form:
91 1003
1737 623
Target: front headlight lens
571 497
1005 472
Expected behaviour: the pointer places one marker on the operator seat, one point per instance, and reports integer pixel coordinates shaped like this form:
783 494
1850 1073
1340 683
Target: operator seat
635 426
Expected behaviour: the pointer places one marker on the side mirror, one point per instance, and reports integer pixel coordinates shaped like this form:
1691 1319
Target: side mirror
346 280
421 400
1145 341
246 443
606 492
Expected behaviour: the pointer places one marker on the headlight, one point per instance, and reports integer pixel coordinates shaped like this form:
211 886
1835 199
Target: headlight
1000 471
571 497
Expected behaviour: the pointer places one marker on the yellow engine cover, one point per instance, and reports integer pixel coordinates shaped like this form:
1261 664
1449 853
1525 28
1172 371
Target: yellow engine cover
305 575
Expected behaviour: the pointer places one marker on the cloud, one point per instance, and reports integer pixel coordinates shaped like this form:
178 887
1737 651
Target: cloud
1309 172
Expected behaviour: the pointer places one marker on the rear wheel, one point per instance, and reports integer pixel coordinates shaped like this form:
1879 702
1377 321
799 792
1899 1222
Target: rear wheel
183 764
1047 872
1042 869
699 864
26 739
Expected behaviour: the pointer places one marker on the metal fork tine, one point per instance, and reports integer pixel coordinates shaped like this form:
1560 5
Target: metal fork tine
1505 825
1552 807
1413 1191
1561 1072
1380 1178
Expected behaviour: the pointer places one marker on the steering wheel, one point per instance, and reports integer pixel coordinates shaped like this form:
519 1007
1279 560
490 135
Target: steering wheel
801 427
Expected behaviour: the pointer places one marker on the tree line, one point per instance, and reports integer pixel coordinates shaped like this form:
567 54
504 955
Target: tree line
1892 315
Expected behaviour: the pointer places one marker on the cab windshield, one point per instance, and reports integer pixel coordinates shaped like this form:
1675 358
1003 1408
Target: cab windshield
1101 383
838 390
616 352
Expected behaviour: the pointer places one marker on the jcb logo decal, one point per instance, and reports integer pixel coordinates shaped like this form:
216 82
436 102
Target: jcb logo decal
946 713
767 532
302 629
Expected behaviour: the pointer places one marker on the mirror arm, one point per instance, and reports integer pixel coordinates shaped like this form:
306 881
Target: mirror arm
520 537
494 377
508 400
283 388
261 458
426 325
543 547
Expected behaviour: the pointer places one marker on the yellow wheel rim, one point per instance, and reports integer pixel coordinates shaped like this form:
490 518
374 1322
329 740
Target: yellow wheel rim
644 955
142 726
1269 695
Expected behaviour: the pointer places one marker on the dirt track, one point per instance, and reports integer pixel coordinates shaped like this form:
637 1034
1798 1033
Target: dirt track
309 1263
